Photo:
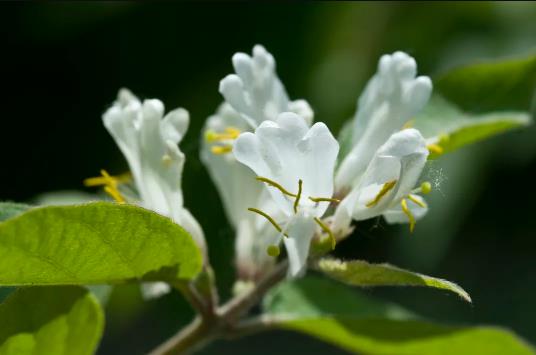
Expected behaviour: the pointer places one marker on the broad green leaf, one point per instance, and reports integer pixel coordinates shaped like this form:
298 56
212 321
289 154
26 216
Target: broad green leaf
450 128
361 273
50 320
96 243
339 315
491 86
11 209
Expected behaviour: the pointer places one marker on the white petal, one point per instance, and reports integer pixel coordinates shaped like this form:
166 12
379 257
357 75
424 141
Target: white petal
287 151
190 224
175 124
256 92
400 159
392 97
302 109
301 229
152 290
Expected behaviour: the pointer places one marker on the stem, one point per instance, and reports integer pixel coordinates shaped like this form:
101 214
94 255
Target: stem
225 321
193 336
241 304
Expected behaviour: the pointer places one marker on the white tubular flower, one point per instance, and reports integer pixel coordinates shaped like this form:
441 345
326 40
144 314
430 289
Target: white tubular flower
390 99
238 190
297 163
149 141
256 92
387 186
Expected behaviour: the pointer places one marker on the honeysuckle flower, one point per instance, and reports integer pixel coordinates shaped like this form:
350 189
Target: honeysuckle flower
149 141
238 190
297 163
256 92
387 186
390 99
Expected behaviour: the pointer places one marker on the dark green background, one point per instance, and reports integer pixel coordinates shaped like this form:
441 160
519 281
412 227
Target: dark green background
62 64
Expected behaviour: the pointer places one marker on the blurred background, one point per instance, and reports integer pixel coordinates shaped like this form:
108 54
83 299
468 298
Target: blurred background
62 65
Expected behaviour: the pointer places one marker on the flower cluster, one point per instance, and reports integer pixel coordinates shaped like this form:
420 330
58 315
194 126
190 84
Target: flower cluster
276 171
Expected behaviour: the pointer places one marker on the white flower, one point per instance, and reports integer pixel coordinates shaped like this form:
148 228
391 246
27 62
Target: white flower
256 92
297 163
238 190
391 98
149 142
387 186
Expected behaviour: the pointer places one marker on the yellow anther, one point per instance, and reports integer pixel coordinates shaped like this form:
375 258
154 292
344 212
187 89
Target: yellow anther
273 250
107 179
408 124
276 185
166 160
416 200
230 133
324 199
388 186
110 184
221 149
297 200
408 213
435 148
270 219
327 230
114 193
426 187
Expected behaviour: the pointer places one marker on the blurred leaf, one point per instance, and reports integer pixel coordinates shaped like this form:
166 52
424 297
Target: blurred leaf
95 243
451 128
339 315
491 86
101 293
361 273
11 209
50 320
314 296
65 197
411 337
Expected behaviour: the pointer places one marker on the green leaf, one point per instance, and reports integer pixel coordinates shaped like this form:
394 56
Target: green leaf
361 273
306 297
344 317
10 209
491 86
445 124
97 243
410 337
50 320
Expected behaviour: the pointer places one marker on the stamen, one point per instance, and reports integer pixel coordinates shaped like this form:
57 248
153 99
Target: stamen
408 124
408 213
435 148
221 149
384 190
115 194
297 201
110 184
324 199
327 230
231 133
273 251
270 219
276 185
416 200
426 187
